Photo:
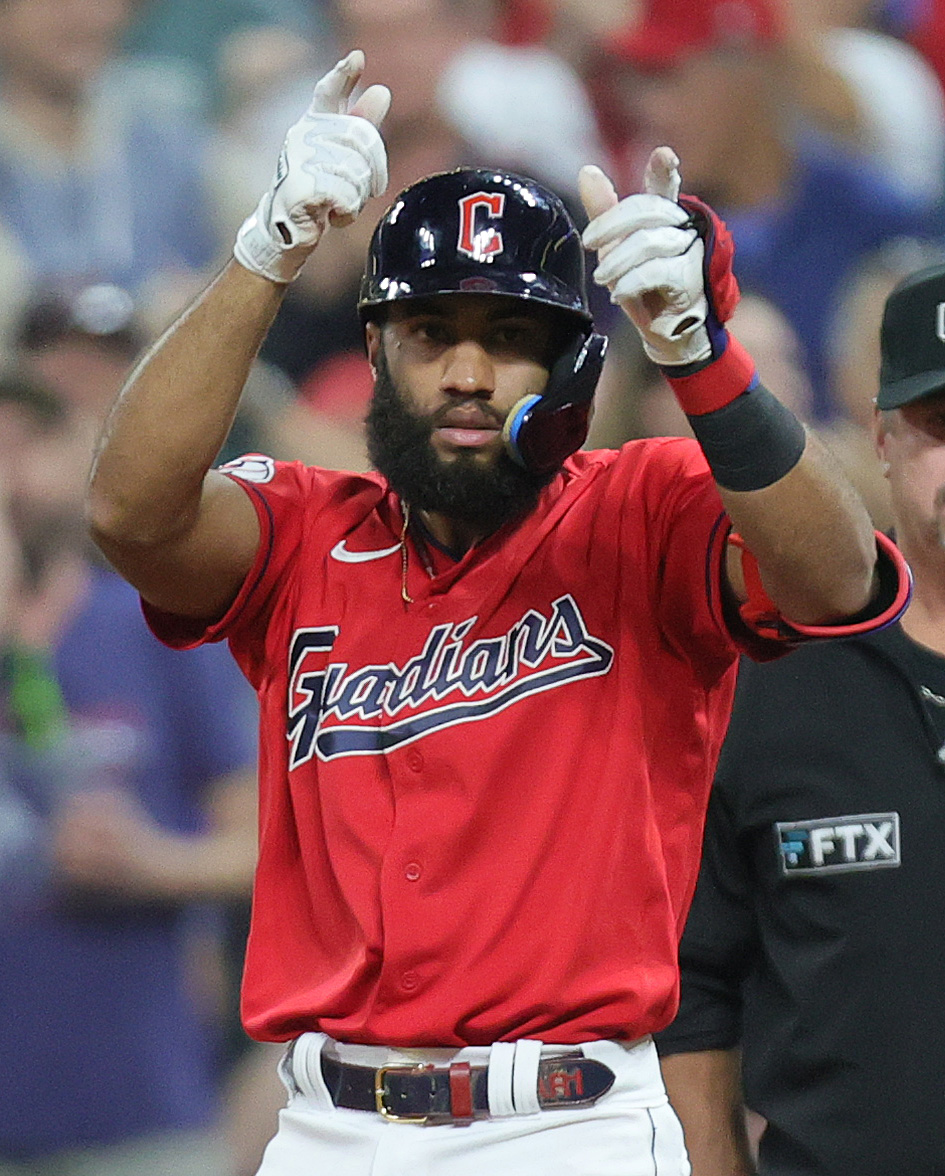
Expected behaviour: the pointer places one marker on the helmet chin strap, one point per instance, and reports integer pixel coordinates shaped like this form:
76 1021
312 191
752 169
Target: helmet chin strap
542 430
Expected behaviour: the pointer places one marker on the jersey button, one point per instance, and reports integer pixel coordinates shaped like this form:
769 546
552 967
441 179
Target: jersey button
409 981
413 871
414 760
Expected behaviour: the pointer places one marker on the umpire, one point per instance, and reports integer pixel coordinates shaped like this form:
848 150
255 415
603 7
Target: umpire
813 958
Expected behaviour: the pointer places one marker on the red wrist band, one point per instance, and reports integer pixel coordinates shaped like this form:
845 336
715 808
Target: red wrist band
718 383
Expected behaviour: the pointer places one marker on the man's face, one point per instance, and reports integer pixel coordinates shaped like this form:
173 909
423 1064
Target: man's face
60 44
697 105
449 369
46 480
912 441
84 372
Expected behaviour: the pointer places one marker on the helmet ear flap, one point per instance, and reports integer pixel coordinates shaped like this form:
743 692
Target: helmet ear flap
541 431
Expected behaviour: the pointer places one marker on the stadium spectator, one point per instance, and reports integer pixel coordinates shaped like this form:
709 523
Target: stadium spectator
98 182
871 90
922 24
197 41
130 774
81 341
805 215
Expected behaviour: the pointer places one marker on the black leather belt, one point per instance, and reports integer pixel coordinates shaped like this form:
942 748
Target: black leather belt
456 1093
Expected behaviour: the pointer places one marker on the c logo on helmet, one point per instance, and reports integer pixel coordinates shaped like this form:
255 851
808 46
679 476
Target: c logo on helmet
940 322
487 242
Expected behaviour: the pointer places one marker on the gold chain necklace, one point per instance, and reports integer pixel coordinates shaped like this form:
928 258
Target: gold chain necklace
419 547
405 595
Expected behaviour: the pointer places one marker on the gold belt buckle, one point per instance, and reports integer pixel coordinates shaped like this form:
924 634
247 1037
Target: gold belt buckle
379 1091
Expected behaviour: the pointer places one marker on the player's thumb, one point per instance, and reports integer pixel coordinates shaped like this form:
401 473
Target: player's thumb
373 104
333 90
596 191
661 176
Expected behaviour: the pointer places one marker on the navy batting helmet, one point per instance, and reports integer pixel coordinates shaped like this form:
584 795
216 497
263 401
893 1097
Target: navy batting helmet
484 231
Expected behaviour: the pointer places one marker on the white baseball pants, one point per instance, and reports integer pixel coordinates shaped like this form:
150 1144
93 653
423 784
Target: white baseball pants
630 1131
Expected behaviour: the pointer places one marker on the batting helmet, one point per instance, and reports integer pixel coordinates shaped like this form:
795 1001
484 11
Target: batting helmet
483 231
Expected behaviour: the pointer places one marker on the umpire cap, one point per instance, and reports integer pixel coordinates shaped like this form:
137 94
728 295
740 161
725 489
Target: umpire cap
912 340
477 231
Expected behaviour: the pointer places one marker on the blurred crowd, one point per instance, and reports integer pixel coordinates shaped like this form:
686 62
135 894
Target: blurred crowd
135 135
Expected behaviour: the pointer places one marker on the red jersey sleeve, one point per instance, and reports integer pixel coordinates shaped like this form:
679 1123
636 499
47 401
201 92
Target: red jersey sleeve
690 534
894 591
288 498
687 508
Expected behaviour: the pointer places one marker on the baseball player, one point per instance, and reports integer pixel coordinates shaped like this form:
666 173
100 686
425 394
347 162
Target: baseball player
494 675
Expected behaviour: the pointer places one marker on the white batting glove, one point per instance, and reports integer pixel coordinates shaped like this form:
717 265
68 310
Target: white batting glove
331 162
650 258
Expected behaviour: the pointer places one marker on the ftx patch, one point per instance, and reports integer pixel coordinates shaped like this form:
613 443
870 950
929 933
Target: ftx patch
835 845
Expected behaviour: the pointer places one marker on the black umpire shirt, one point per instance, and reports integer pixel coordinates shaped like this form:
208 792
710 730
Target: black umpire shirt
816 941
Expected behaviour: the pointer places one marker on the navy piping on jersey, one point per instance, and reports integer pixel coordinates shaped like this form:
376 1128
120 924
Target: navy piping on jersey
423 532
712 583
271 540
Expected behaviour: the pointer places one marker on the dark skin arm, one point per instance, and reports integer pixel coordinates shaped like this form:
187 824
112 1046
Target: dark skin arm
705 1091
812 537
809 531
183 534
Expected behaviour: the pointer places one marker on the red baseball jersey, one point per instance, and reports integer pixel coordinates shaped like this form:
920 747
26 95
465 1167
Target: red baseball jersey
481 811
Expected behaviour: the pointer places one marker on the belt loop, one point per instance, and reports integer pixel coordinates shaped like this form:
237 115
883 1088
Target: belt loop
501 1058
461 1096
286 1069
306 1066
525 1076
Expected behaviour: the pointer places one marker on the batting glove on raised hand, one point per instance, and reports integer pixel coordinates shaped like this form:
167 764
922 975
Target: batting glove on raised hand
332 160
666 261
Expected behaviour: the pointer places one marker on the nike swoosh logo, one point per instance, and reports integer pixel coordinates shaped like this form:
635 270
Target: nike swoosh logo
340 552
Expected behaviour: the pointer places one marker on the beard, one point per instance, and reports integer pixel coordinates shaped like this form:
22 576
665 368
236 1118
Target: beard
400 447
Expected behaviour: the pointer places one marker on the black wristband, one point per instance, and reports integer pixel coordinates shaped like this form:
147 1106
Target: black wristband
751 442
